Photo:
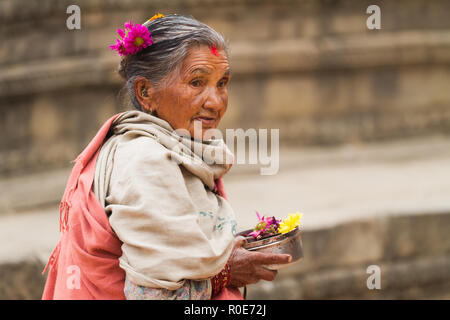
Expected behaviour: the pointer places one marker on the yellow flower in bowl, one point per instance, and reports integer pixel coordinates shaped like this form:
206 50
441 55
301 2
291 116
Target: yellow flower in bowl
290 223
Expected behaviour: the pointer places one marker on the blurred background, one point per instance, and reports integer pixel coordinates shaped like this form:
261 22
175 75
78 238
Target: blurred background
364 120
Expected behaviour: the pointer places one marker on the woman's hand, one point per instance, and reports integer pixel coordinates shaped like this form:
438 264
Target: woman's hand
246 267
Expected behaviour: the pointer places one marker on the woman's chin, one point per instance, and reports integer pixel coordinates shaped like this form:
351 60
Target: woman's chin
204 131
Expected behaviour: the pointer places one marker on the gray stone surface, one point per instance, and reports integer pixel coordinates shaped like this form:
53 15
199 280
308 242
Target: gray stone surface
407 279
346 183
336 261
22 280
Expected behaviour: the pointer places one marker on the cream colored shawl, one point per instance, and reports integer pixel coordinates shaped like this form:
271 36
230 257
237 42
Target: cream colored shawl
156 186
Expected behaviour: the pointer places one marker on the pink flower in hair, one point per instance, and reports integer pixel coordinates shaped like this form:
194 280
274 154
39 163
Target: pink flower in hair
132 39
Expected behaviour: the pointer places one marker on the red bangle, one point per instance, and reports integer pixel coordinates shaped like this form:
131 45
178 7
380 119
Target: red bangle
220 280
226 275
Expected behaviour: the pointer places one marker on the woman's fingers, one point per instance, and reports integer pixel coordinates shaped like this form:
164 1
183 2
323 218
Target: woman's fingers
266 274
239 241
269 258
248 267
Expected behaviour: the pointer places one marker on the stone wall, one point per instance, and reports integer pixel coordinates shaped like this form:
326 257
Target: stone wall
413 253
309 67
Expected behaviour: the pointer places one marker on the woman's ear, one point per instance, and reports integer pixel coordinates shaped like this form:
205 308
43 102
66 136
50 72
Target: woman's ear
143 91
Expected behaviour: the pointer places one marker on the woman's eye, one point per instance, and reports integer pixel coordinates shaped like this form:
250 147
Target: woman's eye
196 83
222 83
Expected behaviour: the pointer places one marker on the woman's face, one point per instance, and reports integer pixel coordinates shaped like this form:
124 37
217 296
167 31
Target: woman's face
198 94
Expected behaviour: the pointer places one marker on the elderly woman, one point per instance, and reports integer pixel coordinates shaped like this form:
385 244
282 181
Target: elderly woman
144 214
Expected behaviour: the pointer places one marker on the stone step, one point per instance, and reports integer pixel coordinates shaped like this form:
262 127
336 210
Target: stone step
412 252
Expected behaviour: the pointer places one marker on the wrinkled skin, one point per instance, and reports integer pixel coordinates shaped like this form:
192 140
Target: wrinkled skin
200 89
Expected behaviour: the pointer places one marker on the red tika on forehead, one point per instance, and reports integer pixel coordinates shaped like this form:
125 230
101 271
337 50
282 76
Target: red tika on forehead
214 51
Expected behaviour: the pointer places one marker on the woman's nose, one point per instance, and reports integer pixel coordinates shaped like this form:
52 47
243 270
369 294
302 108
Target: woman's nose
214 100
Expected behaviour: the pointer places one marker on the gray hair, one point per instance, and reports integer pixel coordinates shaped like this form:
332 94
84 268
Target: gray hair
173 36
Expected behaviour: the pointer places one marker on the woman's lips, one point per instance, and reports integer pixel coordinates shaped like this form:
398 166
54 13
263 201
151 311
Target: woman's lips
206 121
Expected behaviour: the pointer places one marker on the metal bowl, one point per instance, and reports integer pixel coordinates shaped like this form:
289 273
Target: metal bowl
284 243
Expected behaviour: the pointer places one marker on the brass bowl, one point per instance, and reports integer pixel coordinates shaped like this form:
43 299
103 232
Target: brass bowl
283 243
